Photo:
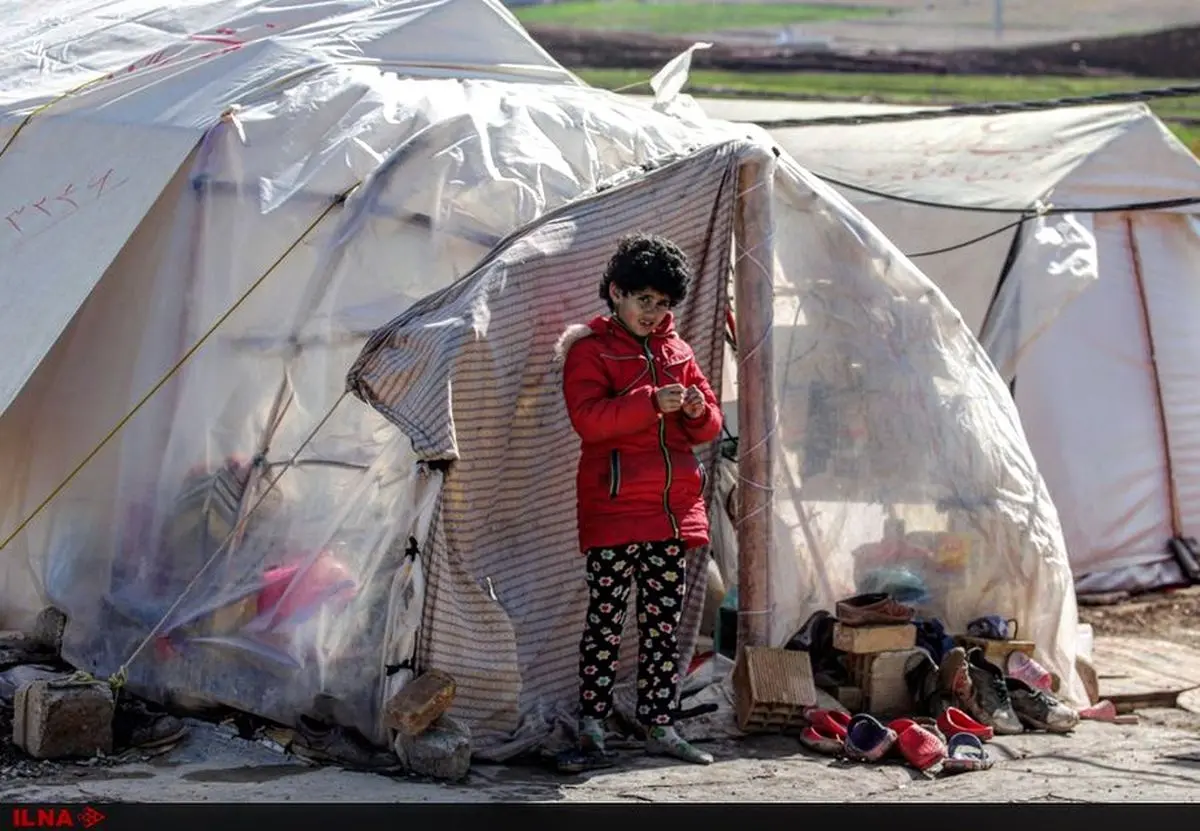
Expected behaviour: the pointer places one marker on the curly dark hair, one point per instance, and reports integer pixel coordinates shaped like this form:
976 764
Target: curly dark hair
646 261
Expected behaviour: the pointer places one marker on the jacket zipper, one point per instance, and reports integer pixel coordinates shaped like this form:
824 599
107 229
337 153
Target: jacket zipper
662 443
614 474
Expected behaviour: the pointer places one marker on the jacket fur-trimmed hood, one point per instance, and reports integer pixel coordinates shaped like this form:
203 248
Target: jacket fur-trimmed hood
571 336
598 326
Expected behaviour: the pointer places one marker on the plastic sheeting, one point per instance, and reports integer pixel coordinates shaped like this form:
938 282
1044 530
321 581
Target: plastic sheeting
950 192
1123 481
314 599
902 463
335 199
472 374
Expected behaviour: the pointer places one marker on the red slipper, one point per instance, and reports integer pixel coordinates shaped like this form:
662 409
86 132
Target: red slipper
818 742
902 724
830 722
826 732
954 721
919 747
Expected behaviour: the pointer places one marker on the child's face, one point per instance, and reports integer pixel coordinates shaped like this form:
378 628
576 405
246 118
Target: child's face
641 311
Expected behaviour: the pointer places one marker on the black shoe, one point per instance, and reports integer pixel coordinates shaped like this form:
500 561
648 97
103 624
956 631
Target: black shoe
317 742
137 724
990 702
576 760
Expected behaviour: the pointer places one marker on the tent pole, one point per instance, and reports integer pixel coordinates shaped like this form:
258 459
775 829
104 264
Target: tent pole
1164 430
754 295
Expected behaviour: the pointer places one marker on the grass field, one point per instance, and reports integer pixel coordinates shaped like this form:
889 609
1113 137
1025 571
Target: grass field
1182 114
682 17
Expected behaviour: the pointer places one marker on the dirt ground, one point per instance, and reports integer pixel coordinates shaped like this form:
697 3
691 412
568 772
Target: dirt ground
1155 761
1171 616
1165 42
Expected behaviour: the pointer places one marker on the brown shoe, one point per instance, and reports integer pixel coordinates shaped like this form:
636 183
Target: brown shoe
954 681
877 609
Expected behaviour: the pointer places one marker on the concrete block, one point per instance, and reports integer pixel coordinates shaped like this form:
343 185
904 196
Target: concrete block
881 677
55 719
48 629
443 751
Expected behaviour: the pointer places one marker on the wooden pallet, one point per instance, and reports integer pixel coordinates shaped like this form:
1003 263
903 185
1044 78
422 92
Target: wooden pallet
1141 672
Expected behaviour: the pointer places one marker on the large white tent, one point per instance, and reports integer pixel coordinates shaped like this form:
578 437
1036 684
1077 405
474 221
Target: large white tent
1089 319
217 208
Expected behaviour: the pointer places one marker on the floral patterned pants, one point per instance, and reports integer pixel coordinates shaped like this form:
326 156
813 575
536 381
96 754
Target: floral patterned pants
658 568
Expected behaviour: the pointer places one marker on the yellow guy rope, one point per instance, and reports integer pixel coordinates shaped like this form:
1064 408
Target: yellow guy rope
338 200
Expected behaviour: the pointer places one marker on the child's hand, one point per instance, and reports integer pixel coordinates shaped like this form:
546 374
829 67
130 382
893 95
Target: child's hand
693 403
670 397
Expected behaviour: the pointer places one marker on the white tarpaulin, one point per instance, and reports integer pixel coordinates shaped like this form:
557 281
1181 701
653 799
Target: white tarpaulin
949 191
336 196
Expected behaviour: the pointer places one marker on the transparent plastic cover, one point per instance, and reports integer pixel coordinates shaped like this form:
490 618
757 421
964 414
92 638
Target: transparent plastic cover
256 537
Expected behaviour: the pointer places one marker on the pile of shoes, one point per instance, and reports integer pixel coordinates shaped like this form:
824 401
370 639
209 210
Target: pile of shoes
1006 702
946 746
957 698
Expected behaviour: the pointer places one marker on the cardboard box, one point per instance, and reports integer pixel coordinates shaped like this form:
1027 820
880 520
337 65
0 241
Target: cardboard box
851 698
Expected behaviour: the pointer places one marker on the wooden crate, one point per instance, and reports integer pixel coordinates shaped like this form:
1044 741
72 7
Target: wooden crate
772 688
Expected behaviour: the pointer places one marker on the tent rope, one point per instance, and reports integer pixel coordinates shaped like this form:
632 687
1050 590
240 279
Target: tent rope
990 108
36 111
967 243
1046 210
119 677
120 425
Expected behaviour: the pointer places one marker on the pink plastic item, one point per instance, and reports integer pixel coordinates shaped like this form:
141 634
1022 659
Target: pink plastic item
1102 711
1024 668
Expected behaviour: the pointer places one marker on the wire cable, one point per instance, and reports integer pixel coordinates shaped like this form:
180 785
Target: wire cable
988 108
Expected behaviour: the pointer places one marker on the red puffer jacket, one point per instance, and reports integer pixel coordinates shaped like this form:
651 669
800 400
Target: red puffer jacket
638 479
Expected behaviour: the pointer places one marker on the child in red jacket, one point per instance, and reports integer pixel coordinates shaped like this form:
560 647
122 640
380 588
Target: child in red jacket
640 404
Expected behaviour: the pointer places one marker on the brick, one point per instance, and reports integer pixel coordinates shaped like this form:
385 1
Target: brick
443 751
419 703
772 687
866 640
55 719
